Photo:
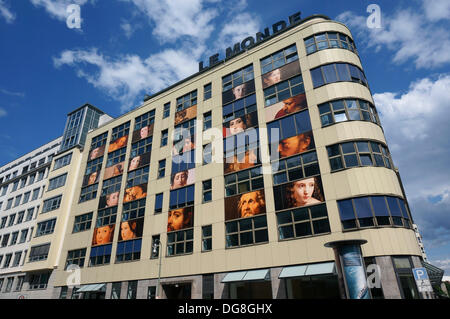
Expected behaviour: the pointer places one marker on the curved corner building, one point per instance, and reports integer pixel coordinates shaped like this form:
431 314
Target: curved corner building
229 184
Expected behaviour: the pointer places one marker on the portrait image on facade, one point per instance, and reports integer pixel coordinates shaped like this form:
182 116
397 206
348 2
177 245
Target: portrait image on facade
245 205
131 229
142 133
113 171
238 92
185 144
103 235
180 218
286 107
186 114
281 74
241 161
182 178
118 144
139 161
135 193
295 145
240 124
91 178
96 152
300 193
109 200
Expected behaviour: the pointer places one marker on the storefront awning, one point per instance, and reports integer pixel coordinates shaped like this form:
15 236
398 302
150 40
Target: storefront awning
434 273
308 270
251 275
91 288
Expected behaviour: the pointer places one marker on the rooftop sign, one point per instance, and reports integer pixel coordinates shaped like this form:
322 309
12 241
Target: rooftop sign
250 41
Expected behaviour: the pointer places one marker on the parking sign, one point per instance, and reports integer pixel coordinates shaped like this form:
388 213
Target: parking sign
422 280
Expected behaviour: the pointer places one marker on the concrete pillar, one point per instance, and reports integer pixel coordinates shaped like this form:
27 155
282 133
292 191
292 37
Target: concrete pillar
389 282
278 285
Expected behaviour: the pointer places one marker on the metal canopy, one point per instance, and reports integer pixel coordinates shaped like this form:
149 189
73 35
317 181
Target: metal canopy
91 288
308 270
251 275
434 273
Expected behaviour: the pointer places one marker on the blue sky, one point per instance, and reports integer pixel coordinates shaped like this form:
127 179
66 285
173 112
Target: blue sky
128 48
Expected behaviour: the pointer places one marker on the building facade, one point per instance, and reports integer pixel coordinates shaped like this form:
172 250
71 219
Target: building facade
229 184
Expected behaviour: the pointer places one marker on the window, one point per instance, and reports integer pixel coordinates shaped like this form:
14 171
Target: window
99 140
151 292
207 191
39 281
94 165
4 189
5 240
38 253
207 120
100 255
207 154
115 291
294 168
106 216
46 227
137 177
405 277
133 210
51 204
358 154
14 238
63 292
155 247
82 222
207 238
337 72
17 257
182 197
30 213
3 224
31 179
35 194
26 197
12 218
158 202
187 101
17 200
207 91
57 182
23 181
23 236
161 168
247 231
9 284
111 185
239 108
244 181
284 90
347 110
132 289
166 111
40 175
144 120
116 157
237 78
290 126
183 162
20 281
164 137
329 40
9 203
376 291
373 211
88 193
76 257
278 59
180 242
20 217
120 131
62 161
8 258
15 186
303 222
142 147
129 250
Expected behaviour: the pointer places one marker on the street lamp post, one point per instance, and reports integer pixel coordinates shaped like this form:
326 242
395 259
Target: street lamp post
156 246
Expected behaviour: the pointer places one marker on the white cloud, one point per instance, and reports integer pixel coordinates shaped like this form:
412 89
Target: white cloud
57 8
237 29
6 13
417 131
128 78
437 9
410 34
174 19
6 92
2 112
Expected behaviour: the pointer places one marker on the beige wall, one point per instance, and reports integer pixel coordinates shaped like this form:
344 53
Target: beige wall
339 185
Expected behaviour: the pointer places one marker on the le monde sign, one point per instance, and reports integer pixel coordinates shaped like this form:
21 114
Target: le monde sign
250 42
